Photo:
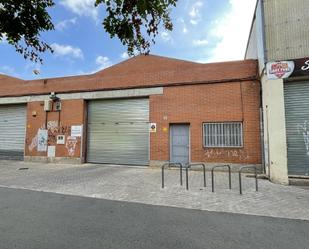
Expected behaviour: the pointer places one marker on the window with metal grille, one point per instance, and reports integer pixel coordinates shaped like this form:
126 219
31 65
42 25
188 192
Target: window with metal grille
227 134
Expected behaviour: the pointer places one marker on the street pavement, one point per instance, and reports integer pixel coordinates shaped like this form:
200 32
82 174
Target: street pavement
143 185
39 220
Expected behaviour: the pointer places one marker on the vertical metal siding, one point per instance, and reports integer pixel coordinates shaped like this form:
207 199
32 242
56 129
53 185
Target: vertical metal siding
12 132
118 131
287 29
297 127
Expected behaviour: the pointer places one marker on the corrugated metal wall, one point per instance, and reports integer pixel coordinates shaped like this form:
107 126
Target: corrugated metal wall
297 127
287 29
12 132
118 131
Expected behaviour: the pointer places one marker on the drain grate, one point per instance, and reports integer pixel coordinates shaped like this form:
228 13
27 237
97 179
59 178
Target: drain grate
23 168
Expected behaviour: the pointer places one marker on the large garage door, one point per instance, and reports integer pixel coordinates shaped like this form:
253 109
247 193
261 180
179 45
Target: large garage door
118 131
12 132
297 127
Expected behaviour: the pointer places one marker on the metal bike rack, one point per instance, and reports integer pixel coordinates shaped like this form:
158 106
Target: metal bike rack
212 176
195 165
256 180
168 165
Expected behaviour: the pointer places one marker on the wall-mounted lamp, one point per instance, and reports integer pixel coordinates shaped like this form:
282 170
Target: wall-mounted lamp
53 96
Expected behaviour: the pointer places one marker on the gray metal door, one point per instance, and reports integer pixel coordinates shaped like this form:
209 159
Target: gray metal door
297 127
118 131
12 132
179 143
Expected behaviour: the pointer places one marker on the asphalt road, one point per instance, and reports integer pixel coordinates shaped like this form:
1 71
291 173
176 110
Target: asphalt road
37 220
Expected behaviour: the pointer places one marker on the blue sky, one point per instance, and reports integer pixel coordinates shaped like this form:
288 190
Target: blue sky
204 31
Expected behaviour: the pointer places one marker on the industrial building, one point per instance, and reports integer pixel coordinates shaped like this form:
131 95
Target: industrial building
146 110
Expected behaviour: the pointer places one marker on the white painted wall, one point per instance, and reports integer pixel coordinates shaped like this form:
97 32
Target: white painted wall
275 131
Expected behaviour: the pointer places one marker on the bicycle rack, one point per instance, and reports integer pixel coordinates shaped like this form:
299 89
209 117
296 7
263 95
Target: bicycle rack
167 165
194 165
212 176
256 180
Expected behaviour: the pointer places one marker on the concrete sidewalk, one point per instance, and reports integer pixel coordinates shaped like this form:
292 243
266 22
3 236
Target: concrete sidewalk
143 185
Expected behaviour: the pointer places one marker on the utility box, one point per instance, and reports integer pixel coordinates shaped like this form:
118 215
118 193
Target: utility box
47 105
58 106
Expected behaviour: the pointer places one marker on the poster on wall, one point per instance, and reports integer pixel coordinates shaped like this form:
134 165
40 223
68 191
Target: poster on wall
285 69
51 151
42 140
76 130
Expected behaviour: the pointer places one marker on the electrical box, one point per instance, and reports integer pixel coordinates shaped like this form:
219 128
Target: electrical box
47 105
58 106
60 139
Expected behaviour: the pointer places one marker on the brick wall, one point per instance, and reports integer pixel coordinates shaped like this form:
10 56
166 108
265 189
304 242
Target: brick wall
72 113
235 101
137 72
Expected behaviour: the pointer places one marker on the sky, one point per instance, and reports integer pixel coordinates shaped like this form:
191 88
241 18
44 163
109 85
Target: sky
204 31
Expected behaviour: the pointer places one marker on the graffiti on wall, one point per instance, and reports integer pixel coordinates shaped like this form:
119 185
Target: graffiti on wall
53 130
227 153
303 129
34 140
71 145
34 143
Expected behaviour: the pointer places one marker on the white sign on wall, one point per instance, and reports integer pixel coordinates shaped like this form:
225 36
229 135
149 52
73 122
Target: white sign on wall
153 127
279 70
42 140
51 151
76 130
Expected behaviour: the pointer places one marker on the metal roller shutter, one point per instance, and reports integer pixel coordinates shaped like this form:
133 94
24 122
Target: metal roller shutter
118 131
12 132
297 127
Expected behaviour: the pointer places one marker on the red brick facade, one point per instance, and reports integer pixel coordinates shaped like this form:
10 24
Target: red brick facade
193 93
225 102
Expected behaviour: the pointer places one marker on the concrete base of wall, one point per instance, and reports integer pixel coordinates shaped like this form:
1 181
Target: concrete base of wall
63 160
234 167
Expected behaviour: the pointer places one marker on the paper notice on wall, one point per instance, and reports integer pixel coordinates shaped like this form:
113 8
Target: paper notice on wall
76 130
42 140
51 151
153 127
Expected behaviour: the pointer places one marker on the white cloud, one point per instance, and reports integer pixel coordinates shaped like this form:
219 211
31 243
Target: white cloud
195 9
166 37
194 12
182 22
82 7
65 24
124 55
193 22
233 30
103 62
202 42
67 50
3 39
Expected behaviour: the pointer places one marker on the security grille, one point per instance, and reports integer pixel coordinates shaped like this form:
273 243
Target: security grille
12 131
221 135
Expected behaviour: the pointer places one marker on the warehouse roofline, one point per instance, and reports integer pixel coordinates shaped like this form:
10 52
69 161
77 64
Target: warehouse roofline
137 72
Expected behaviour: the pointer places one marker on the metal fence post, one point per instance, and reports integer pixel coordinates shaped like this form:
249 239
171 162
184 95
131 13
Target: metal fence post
230 177
240 181
162 179
212 180
240 185
212 176
187 179
180 174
